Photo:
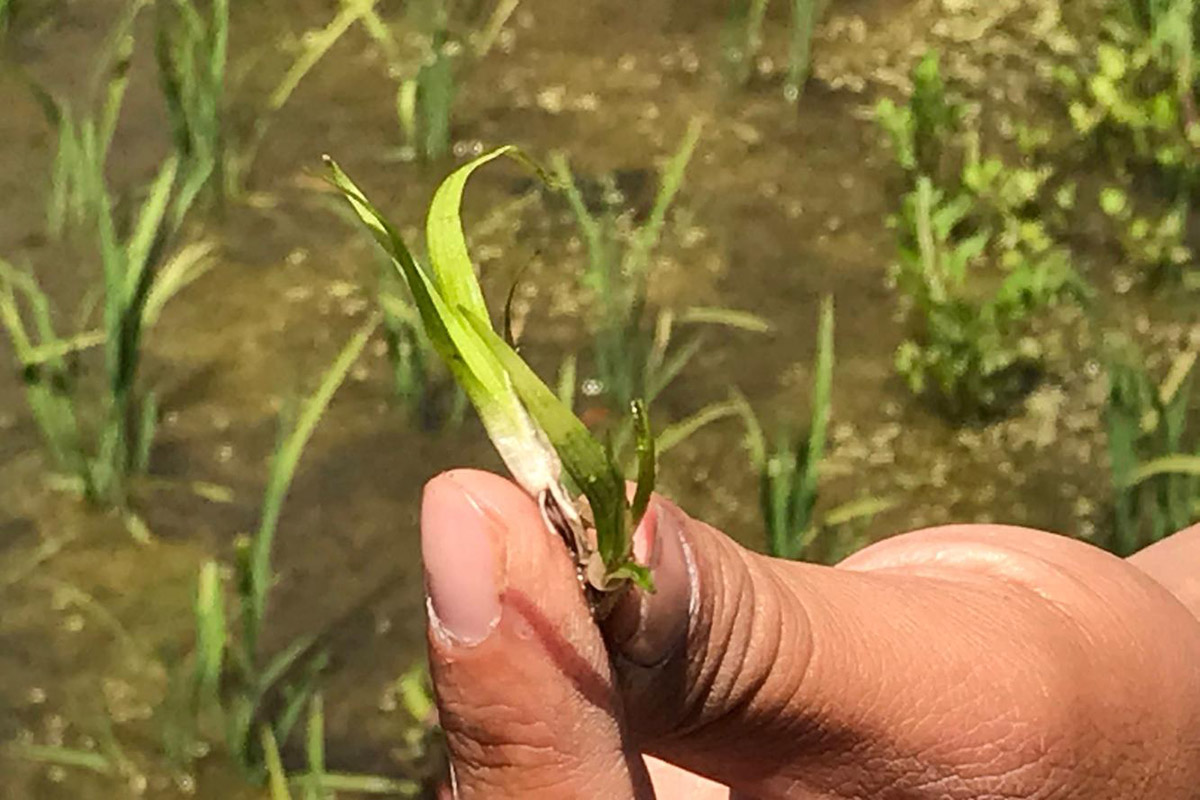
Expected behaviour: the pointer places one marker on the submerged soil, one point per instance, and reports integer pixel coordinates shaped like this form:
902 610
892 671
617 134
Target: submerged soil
781 206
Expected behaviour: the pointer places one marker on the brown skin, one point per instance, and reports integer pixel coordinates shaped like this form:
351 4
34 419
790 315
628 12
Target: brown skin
958 662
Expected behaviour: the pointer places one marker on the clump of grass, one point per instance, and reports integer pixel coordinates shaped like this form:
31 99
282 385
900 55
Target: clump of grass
744 41
1155 459
789 473
634 352
231 688
535 433
102 441
978 266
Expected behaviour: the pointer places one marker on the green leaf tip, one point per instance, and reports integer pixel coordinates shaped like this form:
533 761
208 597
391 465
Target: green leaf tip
536 434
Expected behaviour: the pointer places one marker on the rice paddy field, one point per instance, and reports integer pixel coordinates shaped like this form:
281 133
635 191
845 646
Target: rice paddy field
944 249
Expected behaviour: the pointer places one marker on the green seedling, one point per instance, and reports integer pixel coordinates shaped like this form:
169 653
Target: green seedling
789 472
634 351
536 435
449 39
1155 460
193 64
920 131
192 50
101 444
230 683
744 41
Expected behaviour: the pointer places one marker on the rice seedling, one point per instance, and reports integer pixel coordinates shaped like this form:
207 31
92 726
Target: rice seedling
789 473
1155 459
744 41
439 39
634 352
534 432
317 783
231 686
192 50
103 441
193 64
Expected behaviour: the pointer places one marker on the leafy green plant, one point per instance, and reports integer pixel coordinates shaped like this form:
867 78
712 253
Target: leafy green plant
231 684
920 131
744 41
536 435
633 350
1155 459
789 473
973 345
1154 245
978 262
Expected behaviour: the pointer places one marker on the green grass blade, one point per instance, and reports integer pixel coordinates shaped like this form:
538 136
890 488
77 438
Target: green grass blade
147 233
211 637
646 461
364 784
862 509
61 756
679 432
821 401
447 243
277 782
728 317
648 236
315 749
1166 465
283 465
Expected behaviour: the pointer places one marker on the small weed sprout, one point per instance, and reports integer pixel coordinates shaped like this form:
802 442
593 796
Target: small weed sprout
789 473
1155 460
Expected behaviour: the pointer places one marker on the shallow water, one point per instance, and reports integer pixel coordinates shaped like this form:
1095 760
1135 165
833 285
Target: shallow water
781 206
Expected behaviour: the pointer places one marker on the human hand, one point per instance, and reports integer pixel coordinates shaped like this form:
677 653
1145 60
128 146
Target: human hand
958 662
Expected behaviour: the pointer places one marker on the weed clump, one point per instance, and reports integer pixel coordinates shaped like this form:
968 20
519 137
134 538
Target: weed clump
978 266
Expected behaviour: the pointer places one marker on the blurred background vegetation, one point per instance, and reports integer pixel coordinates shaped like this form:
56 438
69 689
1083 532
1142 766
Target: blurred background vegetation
877 265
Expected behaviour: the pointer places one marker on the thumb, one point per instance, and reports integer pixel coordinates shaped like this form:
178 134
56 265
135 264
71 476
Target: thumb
973 658
521 674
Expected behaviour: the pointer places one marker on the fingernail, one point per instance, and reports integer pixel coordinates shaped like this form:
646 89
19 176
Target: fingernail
460 543
647 627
